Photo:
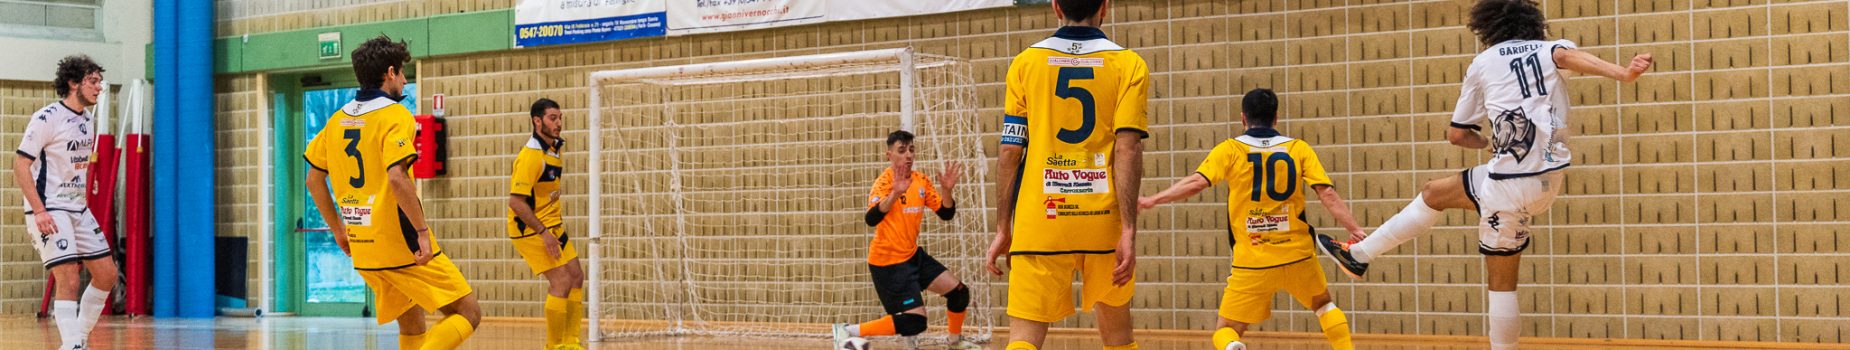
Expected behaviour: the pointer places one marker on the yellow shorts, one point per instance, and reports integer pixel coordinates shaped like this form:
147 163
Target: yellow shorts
430 286
1248 297
1041 286
533 249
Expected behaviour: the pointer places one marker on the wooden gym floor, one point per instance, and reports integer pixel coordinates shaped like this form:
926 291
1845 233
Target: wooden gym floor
27 332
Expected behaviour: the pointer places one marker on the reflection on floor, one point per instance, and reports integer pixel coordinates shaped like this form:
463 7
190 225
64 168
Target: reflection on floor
26 332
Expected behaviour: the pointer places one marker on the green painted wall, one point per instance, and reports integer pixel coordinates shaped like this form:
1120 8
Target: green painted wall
440 35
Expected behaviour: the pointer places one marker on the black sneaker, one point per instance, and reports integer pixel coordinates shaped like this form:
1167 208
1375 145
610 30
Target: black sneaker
1339 253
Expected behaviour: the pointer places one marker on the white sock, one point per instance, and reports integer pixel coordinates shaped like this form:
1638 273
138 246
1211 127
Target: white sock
854 330
1505 320
65 313
1403 227
94 300
1326 308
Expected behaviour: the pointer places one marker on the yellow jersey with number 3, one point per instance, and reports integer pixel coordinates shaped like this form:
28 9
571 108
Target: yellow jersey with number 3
355 147
1267 176
1067 97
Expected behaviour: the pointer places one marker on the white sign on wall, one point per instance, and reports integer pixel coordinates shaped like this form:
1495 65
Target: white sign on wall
710 16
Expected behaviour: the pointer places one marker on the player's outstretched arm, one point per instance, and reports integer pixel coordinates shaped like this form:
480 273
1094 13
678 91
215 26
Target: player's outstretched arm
947 182
324 202
1586 63
408 202
1339 209
1188 187
1008 171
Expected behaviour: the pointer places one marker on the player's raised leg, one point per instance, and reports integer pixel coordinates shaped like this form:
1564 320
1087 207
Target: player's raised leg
1419 216
458 323
411 329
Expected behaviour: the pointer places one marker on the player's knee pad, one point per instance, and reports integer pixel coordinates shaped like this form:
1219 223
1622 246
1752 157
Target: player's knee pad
909 324
958 299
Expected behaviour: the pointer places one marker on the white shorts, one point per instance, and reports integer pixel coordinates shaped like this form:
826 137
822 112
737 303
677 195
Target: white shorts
78 238
1507 207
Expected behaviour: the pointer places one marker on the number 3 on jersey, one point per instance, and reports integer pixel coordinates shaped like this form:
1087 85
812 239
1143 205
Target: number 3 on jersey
1088 108
1265 170
353 150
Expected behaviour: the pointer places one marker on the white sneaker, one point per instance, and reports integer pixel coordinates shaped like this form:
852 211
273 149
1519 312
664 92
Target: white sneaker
840 331
912 342
1236 346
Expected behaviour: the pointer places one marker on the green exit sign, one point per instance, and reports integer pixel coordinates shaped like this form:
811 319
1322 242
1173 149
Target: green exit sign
330 45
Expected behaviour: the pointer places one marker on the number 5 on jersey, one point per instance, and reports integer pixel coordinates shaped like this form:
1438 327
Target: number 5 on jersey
1087 108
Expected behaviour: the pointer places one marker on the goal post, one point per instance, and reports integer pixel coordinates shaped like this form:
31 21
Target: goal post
726 198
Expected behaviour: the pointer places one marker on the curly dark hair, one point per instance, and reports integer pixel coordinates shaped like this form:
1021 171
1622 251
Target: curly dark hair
375 57
1497 21
72 69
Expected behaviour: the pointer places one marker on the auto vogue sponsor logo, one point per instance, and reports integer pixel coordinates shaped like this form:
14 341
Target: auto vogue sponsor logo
1075 181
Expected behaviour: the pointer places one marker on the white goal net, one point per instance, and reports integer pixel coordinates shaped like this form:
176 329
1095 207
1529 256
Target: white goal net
728 197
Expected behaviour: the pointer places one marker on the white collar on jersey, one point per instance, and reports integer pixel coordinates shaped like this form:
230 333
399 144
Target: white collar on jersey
356 107
1263 137
1078 41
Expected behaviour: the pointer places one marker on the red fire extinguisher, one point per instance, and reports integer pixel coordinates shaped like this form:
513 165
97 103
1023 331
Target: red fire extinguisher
1051 204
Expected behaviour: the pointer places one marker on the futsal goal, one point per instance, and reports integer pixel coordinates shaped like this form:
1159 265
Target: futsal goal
728 198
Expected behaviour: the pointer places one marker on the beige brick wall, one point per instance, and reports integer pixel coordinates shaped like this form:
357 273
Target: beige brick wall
22 277
240 118
1705 202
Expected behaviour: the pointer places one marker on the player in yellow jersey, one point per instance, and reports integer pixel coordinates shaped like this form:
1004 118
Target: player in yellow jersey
374 212
535 226
1273 246
1072 142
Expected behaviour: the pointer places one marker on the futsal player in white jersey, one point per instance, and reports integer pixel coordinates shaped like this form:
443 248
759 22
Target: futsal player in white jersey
1516 86
52 172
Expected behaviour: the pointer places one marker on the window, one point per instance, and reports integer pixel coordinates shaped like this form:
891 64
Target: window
52 19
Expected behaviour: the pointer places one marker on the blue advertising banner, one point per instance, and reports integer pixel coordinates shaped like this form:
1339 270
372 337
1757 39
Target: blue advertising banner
556 22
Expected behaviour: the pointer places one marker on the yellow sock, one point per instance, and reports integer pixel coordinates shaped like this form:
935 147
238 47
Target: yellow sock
1021 345
1225 336
410 341
557 314
1131 346
1336 328
576 321
449 334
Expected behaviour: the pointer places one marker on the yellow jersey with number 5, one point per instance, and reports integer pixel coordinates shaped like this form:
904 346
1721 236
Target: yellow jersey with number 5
1067 98
355 147
1267 175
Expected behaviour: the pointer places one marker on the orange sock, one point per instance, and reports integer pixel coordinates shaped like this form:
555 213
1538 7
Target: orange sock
956 321
882 326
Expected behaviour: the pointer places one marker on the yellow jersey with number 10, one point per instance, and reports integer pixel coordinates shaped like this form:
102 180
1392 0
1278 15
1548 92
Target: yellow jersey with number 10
1267 175
1068 96
355 148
